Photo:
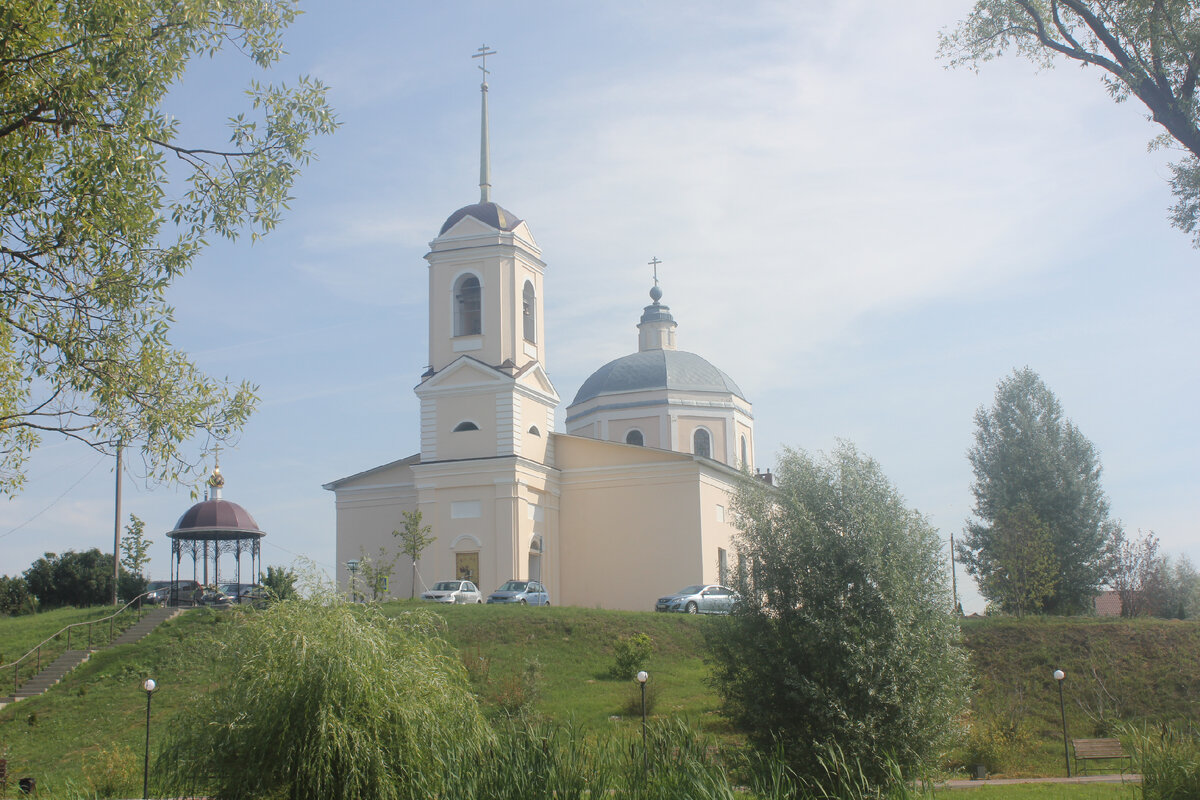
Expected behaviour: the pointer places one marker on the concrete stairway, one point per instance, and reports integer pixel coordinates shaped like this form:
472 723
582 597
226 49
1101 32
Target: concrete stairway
71 659
150 620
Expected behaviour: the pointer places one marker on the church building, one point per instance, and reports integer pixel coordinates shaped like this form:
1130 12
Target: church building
631 503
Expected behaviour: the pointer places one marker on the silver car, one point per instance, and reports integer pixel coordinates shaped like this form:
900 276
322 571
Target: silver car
457 592
701 598
525 593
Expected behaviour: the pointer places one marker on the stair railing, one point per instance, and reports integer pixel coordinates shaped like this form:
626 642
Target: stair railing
35 655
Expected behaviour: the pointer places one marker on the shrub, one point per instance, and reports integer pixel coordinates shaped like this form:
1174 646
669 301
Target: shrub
630 654
329 699
633 699
518 693
113 772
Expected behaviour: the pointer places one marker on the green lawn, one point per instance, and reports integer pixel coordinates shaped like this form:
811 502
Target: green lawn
95 719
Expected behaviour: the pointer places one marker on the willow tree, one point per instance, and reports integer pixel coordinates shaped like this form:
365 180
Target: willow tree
844 636
329 700
90 238
1148 49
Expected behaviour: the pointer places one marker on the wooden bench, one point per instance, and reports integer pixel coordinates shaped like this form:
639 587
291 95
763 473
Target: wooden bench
1098 750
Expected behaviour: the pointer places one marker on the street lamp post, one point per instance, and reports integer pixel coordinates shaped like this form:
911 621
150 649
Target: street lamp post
149 686
1059 675
642 677
352 565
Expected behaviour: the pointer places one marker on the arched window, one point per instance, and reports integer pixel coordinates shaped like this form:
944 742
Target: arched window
529 309
745 453
468 319
466 426
533 429
702 443
635 437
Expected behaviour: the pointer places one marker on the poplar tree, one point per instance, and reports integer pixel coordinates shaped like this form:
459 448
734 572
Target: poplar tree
1028 457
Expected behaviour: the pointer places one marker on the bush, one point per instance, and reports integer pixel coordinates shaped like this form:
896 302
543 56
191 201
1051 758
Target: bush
330 700
113 772
518 693
630 655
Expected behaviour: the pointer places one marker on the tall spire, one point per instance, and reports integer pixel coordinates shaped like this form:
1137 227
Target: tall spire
485 165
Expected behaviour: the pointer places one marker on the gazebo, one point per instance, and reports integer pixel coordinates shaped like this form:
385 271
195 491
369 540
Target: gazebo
211 528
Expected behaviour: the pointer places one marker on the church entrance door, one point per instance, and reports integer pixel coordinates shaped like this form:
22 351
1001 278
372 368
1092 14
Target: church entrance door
466 566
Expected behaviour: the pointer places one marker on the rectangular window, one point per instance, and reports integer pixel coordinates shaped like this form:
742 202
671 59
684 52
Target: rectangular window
722 566
720 513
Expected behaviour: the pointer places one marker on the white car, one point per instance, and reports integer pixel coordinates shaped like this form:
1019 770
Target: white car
458 592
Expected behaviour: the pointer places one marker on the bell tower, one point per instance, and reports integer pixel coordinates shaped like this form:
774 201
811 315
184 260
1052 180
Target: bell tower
485 391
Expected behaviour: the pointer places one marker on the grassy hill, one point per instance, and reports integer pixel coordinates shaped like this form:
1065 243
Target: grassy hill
93 724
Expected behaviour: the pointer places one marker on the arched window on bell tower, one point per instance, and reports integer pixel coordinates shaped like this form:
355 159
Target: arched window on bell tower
529 311
468 316
702 443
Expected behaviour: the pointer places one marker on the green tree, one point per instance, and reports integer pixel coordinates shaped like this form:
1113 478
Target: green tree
1139 575
15 597
377 571
844 635
1149 50
77 579
1028 455
1020 570
1181 589
365 707
135 548
281 582
414 538
90 236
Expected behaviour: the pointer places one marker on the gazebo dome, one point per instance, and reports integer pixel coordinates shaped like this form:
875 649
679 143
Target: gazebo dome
215 517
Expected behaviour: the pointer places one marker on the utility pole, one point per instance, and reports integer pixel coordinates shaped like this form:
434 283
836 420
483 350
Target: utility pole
954 577
117 530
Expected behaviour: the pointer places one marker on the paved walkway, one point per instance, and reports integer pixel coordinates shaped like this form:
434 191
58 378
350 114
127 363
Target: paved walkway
1109 778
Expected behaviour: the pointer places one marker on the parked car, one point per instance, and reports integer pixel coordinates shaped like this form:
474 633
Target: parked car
530 593
457 592
240 592
701 598
162 592
214 598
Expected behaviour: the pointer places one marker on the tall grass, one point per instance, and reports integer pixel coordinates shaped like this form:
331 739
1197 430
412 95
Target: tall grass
1168 756
541 760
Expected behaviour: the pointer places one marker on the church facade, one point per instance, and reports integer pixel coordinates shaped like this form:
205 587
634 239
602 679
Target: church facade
631 503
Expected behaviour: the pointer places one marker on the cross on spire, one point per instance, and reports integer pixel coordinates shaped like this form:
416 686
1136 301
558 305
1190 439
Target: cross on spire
482 55
485 161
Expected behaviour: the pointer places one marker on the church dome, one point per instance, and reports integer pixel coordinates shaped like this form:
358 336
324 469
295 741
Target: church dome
657 369
488 213
215 516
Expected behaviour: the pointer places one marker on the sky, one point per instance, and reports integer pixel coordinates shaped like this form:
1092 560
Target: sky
865 240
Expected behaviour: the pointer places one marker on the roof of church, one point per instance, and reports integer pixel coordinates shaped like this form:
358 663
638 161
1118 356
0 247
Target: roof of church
487 213
657 369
